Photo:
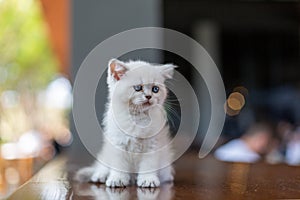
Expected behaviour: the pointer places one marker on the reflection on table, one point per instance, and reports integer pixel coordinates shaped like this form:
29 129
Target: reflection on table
195 178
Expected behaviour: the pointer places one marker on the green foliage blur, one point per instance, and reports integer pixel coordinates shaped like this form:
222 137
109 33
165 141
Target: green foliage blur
26 58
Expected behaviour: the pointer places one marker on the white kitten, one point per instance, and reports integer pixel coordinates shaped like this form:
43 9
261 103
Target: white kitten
135 126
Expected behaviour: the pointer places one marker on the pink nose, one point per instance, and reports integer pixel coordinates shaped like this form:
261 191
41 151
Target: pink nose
148 97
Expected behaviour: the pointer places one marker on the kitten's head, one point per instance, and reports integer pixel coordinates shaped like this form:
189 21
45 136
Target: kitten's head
137 84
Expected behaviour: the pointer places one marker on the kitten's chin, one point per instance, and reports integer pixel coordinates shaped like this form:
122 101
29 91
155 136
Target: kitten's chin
142 107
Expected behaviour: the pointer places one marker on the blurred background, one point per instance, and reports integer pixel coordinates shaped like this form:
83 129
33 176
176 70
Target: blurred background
255 44
35 90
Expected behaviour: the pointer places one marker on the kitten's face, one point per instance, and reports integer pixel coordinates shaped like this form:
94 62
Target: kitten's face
145 88
138 84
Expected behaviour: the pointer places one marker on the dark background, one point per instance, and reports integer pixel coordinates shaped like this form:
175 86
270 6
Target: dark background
255 44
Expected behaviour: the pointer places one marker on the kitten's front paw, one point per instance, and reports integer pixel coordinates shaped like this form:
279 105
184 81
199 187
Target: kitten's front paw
117 180
148 181
98 177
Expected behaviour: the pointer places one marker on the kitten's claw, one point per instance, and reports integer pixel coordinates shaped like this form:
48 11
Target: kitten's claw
148 181
117 181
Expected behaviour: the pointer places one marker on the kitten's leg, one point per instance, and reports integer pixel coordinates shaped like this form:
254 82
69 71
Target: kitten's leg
115 157
148 179
117 179
100 174
154 179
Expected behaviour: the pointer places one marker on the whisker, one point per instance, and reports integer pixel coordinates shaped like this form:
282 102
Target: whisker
172 114
171 98
172 103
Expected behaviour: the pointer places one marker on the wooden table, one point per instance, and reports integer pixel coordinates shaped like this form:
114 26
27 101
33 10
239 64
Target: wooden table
195 179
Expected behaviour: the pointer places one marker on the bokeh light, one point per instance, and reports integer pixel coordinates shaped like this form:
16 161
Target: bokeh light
236 101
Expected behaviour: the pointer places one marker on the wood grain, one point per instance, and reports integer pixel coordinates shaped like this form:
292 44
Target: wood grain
195 179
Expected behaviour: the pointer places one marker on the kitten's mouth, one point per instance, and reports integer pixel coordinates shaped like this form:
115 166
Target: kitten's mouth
147 103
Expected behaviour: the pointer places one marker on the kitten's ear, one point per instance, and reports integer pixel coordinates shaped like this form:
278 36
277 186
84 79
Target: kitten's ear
117 69
167 70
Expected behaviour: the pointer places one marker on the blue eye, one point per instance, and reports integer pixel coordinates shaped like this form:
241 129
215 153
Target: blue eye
138 88
155 89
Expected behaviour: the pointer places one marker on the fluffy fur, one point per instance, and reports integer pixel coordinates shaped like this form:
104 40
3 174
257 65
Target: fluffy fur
135 124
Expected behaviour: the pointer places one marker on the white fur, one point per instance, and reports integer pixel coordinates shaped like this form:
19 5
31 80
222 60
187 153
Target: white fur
134 124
